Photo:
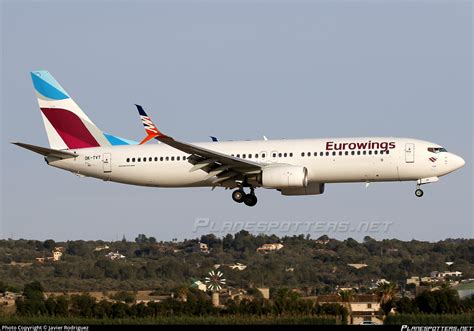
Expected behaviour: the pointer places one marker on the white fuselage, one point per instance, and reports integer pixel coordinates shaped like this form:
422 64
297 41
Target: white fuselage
331 160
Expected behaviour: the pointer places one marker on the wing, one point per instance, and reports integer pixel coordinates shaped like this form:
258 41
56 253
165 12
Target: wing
225 170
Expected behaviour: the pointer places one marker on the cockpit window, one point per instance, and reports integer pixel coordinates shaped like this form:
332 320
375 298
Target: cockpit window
436 149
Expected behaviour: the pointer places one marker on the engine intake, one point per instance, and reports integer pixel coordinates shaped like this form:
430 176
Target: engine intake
284 176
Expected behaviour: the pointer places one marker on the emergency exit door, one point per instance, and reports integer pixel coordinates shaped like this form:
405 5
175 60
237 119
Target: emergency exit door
409 153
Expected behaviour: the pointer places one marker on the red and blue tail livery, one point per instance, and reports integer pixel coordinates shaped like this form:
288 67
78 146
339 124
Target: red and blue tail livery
67 126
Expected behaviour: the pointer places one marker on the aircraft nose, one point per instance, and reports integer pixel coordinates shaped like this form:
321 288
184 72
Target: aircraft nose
458 162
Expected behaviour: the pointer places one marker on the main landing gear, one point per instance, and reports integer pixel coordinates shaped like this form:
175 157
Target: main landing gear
249 199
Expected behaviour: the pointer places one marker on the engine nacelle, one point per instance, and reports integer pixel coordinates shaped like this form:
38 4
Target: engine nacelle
284 176
311 189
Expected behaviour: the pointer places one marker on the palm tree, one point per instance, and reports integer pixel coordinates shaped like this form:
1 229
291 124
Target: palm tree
347 296
386 291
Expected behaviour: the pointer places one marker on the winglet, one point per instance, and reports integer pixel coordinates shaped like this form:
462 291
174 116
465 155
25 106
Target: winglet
150 128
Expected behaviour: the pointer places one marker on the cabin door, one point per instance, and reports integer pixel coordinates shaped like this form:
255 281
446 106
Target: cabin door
107 162
409 153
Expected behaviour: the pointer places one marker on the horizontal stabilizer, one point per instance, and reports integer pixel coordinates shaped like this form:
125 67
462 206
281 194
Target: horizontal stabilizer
47 151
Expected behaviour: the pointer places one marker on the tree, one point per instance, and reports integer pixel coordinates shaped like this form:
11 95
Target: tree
3 287
127 297
62 306
33 291
49 244
386 292
405 306
347 296
82 305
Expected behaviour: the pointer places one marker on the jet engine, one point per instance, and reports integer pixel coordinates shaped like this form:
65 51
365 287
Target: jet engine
284 176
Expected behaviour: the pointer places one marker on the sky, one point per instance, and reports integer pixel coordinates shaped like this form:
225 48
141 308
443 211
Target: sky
239 70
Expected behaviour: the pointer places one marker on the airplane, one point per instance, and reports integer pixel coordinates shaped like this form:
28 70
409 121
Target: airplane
294 167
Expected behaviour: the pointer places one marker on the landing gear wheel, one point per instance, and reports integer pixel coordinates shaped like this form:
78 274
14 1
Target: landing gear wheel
419 192
250 200
238 196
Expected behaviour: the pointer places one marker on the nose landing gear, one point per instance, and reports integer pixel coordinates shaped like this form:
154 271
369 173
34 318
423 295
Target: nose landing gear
418 191
240 196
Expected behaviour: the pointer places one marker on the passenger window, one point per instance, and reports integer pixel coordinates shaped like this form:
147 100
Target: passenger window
243 156
250 156
302 154
263 155
321 153
156 159
279 154
133 159
128 160
291 154
274 154
370 152
327 153
144 159
315 153
376 152
352 153
285 155
172 158
178 158
150 159
309 153
387 152
139 159
167 158
256 156
364 152
161 158
333 153
340 153
347 153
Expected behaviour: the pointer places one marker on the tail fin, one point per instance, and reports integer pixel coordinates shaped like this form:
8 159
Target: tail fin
67 126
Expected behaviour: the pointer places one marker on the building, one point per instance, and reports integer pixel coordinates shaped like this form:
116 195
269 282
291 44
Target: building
237 266
57 253
449 274
265 291
115 256
270 247
199 285
203 248
362 307
358 265
413 280
101 248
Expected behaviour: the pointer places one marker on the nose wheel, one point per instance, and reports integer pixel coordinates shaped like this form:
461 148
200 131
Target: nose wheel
419 192
240 196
